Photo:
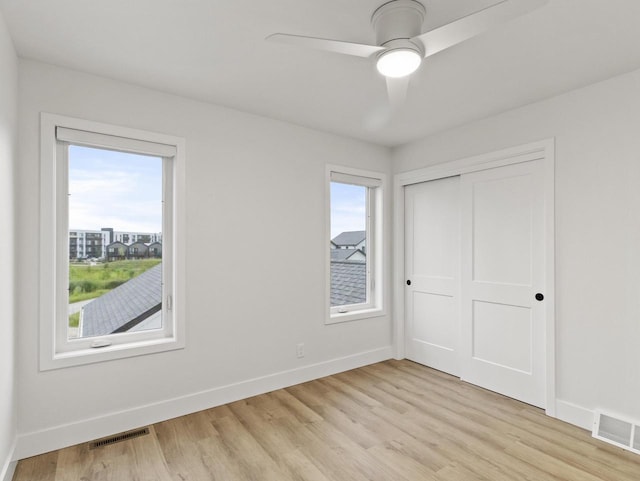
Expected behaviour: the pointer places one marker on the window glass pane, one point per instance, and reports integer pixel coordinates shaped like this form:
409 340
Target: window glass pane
348 244
115 242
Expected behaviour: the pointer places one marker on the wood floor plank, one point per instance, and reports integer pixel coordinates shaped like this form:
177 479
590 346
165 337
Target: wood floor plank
394 420
246 452
294 407
458 472
363 416
302 468
37 468
446 445
268 433
402 464
336 417
369 385
348 454
149 463
182 449
333 453
73 459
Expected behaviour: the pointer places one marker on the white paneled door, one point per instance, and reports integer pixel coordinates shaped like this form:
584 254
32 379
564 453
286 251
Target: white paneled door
503 333
475 274
432 250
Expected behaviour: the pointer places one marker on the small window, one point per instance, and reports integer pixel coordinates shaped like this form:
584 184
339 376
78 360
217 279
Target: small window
98 307
355 228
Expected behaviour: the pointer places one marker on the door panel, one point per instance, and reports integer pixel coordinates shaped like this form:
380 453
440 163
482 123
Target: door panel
433 265
438 312
514 324
502 229
503 326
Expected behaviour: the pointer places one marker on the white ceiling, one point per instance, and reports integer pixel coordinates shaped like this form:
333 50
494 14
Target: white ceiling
214 50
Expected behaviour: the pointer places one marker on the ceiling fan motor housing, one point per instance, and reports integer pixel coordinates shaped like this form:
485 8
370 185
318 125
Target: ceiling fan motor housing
396 22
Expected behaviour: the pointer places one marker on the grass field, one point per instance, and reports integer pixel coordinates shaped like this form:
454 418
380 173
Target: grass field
74 320
88 282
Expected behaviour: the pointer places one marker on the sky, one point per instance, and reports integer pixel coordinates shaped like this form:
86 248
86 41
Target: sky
348 208
114 189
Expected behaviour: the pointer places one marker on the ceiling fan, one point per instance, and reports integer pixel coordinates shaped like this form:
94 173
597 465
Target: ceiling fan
400 43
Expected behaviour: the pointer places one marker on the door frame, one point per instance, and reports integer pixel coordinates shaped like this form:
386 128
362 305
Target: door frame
543 151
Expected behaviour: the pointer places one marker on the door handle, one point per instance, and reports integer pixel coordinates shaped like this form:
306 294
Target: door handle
408 282
539 296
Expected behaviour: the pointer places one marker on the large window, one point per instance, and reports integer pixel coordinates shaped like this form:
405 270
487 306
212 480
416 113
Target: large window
354 244
110 267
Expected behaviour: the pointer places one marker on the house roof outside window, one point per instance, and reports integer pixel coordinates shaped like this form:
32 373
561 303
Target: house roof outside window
125 307
348 282
346 254
350 238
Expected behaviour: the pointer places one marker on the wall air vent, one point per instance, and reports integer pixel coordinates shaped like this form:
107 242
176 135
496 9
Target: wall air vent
617 431
116 438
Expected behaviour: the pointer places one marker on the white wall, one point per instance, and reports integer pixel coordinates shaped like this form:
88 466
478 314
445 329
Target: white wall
597 131
253 185
8 156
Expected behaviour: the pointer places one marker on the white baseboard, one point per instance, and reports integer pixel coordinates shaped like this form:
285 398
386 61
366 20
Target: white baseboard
574 414
8 471
9 466
57 437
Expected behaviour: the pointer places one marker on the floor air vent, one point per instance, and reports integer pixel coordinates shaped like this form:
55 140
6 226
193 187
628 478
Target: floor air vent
616 431
116 438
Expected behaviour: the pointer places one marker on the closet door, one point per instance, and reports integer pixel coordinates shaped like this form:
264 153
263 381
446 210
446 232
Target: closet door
432 267
503 323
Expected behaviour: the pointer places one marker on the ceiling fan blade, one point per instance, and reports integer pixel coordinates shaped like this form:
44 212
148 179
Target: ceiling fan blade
467 27
397 93
336 46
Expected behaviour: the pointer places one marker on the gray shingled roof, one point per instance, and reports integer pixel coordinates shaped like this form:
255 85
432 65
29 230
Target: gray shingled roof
342 254
350 238
348 282
125 306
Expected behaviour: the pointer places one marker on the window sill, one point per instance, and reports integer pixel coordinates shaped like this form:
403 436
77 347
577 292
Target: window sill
118 351
355 315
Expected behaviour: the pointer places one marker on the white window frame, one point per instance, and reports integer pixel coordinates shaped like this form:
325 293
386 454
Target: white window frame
376 183
56 350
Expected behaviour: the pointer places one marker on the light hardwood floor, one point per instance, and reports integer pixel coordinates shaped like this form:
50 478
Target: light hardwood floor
391 421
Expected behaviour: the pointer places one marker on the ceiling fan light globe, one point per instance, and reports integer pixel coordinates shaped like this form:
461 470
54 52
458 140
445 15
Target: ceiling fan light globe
399 62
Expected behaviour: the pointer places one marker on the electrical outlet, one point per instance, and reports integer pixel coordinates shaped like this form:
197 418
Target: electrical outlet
300 350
